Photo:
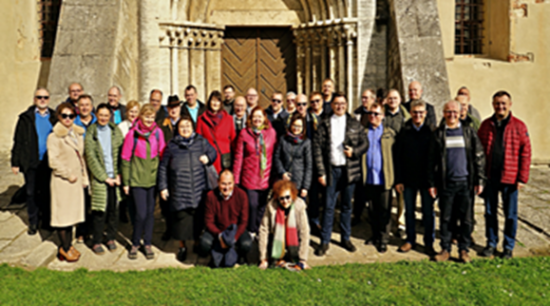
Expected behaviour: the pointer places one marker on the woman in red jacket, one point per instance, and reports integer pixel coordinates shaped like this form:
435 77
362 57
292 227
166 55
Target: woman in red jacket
216 126
252 164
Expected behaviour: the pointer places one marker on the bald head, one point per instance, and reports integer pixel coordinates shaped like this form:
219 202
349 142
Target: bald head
239 106
251 97
114 95
415 90
75 90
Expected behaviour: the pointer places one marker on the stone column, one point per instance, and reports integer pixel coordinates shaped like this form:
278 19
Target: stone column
183 70
308 66
341 82
148 48
333 55
174 71
299 61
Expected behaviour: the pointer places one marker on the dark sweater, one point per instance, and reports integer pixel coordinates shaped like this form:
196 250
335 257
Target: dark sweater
497 160
220 213
411 155
457 164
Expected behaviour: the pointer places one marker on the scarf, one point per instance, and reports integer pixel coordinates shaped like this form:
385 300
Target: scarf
261 149
286 235
182 141
215 118
144 130
296 139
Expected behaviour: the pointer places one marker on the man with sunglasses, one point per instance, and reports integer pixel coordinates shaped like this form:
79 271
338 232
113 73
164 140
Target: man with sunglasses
338 145
456 165
29 156
378 175
411 176
276 114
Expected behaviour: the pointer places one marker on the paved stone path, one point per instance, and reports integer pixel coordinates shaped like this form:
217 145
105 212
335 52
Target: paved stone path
18 248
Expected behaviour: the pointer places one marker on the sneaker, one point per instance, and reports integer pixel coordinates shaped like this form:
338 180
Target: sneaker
442 256
132 254
98 249
111 245
149 254
465 257
507 254
348 246
488 251
182 254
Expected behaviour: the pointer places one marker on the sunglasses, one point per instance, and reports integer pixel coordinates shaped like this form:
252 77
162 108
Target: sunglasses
301 104
70 116
276 101
287 198
42 97
375 114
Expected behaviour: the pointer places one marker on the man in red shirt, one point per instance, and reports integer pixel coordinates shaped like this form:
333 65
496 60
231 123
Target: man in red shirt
225 206
508 151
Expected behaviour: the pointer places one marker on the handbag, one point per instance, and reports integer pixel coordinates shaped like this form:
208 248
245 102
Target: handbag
226 159
210 172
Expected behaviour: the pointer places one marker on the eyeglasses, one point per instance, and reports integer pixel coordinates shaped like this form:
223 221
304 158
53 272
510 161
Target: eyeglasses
42 97
451 112
316 101
375 114
276 101
70 116
301 104
418 112
285 198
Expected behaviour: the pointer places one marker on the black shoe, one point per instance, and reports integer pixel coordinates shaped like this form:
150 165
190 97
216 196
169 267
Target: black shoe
488 251
33 228
348 246
182 254
371 241
322 249
166 236
242 261
382 248
507 254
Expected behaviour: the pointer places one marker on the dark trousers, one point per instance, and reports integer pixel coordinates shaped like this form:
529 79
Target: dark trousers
84 228
339 184
454 227
243 245
37 182
315 193
359 200
509 195
428 215
257 201
166 214
109 216
455 200
144 201
381 212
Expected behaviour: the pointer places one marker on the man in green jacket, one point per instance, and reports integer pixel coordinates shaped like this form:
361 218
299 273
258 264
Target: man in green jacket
103 143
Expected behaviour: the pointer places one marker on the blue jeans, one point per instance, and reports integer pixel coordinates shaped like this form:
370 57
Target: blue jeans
509 195
428 215
339 184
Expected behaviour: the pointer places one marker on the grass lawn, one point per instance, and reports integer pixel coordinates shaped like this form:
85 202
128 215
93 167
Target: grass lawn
524 281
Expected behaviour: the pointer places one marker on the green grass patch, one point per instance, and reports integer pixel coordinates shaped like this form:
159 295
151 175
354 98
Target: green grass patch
523 281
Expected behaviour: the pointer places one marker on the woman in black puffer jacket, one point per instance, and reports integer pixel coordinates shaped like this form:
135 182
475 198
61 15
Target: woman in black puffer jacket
293 157
183 182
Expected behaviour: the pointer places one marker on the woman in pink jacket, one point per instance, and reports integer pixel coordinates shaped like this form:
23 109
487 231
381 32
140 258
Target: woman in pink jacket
252 164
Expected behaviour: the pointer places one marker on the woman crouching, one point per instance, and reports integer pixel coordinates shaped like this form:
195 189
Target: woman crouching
285 229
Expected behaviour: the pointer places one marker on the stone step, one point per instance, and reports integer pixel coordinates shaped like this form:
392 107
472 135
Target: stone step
41 256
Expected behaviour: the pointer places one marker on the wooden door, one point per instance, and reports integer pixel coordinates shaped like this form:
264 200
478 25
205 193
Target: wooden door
262 58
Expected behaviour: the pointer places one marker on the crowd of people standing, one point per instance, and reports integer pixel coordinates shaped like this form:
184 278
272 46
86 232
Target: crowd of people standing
228 172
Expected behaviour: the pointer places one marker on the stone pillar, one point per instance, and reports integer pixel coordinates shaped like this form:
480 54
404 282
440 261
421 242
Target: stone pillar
183 70
174 71
333 55
148 48
308 67
341 81
196 72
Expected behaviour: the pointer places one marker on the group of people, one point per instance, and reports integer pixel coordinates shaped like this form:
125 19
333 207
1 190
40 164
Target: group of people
228 172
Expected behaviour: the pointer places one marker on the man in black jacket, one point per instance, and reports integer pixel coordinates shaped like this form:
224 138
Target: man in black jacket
415 93
192 106
119 110
29 156
456 165
277 114
338 145
411 176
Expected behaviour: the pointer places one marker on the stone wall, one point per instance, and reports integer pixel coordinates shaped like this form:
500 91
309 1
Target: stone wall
376 70
85 48
418 48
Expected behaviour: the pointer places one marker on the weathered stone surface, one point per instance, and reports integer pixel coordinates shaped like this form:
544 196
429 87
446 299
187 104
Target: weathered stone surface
41 256
12 227
19 247
5 215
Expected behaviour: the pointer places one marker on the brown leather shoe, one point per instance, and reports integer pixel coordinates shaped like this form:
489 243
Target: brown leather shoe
68 256
465 257
75 251
404 248
442 256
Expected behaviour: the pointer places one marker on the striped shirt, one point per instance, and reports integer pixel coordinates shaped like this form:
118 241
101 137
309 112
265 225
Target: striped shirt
457 163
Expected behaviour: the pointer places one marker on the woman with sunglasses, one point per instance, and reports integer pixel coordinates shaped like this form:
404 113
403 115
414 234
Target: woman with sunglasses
293 157
285 228
69 178
216 126
252 165
141 153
